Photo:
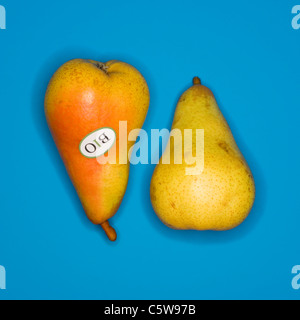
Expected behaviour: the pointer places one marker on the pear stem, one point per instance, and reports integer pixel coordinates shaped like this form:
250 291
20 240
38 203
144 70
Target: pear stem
110 231
100 65
196 81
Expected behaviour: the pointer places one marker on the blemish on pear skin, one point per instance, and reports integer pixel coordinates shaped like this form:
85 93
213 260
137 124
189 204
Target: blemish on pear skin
173 205
152 193
223 145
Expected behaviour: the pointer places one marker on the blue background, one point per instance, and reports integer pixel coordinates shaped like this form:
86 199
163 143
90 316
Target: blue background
247 53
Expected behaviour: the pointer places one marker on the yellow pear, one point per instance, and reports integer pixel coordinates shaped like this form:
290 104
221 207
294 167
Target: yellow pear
220 196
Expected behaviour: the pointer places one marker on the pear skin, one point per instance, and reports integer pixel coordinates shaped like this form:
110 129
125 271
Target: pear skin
82 97
222 195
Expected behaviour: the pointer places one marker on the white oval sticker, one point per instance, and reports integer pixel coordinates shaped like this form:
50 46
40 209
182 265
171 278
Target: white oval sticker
97 143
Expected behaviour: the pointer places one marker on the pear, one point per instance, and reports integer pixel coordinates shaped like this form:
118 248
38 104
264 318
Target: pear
84 104
220 196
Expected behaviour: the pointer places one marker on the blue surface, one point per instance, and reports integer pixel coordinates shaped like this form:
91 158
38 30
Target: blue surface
247 53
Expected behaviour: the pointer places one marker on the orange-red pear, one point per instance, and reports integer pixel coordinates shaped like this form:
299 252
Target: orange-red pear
84 103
